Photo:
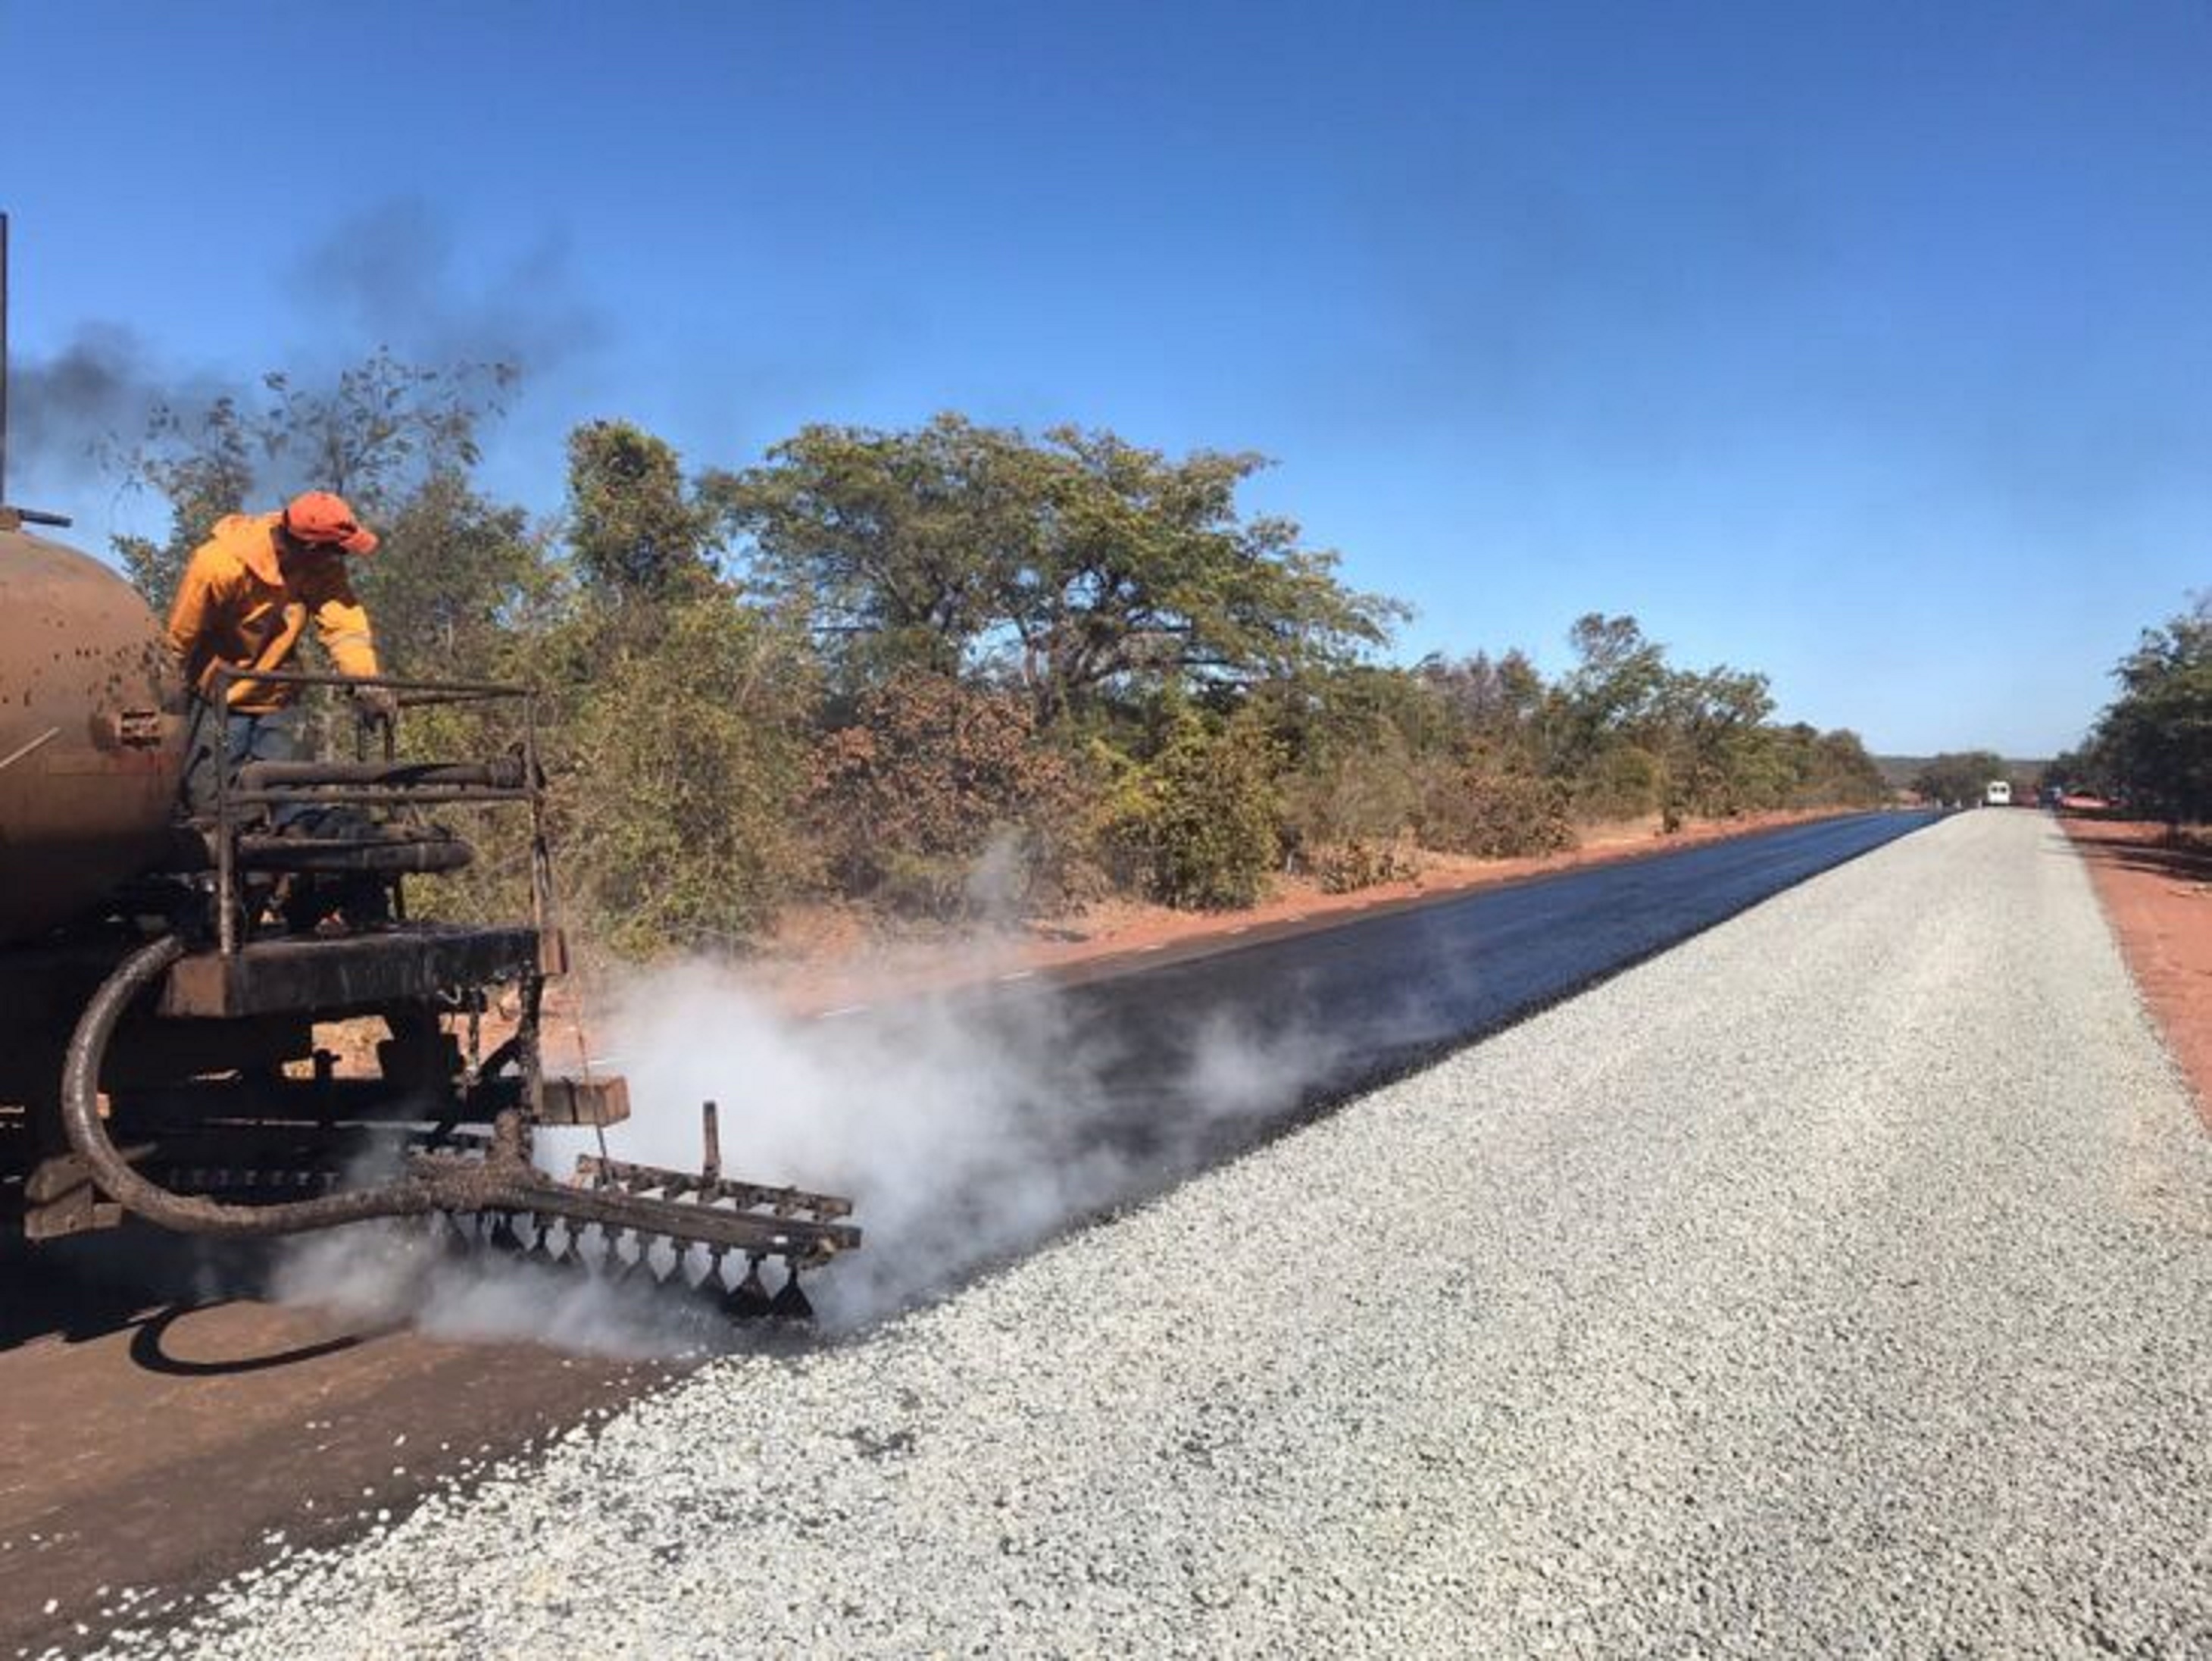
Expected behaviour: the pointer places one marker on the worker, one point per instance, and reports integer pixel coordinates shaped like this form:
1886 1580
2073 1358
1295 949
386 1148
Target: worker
248 594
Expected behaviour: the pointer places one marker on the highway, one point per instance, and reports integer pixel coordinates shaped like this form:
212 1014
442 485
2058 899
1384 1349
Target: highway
138 1385
1833 1283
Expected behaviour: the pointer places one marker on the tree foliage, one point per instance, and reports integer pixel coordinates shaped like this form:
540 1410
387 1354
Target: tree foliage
636 532
961 669
1081 564
1199 818
942 798
385 433
1958 777
680 774
2154 742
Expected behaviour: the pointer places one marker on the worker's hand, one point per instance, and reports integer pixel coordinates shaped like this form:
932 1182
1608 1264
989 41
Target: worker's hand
377 706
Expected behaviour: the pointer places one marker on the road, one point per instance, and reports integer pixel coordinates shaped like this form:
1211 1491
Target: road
138 1391
1835 1283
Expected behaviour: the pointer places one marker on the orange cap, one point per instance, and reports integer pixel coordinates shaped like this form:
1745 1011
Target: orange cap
320 517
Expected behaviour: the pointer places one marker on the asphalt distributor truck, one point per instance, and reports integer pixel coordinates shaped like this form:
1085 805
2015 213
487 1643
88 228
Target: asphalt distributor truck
160 997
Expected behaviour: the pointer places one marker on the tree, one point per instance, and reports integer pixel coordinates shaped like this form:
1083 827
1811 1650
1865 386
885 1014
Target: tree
1199 819
446 585
939 797
2155 739
1716 751
201 464
380 429
680 781
1495 703
379 433
636 530
1081 564
1147 574
900 546
1958 777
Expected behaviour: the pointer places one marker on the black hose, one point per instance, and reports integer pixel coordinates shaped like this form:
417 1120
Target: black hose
189 1213
502 1181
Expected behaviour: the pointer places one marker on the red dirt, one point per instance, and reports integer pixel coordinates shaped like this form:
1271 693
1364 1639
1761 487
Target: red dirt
150 1447
2157 894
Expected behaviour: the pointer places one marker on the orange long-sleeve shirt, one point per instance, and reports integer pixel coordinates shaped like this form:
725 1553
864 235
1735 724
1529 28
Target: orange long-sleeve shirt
244 603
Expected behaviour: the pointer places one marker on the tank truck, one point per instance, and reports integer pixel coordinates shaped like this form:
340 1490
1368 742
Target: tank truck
159 1047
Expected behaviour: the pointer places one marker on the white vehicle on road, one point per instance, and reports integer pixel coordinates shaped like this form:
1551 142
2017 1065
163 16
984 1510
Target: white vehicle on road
1998 794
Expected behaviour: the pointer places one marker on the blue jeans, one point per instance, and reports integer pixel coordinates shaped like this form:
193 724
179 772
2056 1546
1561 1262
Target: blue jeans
271 737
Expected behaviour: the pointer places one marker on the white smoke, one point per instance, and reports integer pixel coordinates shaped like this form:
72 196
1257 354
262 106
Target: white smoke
385 1275
966 1127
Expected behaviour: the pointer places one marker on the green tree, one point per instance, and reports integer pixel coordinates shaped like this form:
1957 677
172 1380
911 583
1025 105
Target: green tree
379 433
636 530
681 779
1199 818
1957 777
900 547
1148 574
1717 753
1600 724
449 585
378 430
1494 705
201 464
2155 739
1083 564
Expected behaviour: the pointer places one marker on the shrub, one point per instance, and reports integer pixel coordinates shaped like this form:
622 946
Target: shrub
679 780
1346 811
1495 812
1622 782
939 799
1201 817
1343 867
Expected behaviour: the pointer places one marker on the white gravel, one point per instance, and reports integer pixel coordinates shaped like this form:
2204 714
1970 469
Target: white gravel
1838 1281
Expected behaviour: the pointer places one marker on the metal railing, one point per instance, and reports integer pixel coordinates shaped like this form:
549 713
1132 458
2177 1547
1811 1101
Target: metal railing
261 790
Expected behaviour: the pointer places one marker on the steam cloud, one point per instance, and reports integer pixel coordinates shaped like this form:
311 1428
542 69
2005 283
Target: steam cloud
965 1130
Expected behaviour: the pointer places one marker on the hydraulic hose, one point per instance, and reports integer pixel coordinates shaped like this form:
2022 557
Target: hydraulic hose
190 1214
503 1180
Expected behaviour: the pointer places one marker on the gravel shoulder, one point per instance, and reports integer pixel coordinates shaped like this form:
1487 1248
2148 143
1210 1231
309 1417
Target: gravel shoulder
1835 1281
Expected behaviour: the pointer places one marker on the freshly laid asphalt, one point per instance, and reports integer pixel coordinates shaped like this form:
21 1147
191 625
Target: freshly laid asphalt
1359 1002
969 1127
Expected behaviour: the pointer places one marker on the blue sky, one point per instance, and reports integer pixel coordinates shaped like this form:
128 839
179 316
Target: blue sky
1867 345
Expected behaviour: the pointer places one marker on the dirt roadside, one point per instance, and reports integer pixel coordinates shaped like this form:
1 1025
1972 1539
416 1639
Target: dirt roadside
2158 896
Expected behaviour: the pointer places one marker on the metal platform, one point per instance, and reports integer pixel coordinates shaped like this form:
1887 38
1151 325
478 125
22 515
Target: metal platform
407 963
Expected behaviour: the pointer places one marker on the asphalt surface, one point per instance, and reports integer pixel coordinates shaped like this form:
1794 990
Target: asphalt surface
1363 1000
1835 1283
138 1392
970 1127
